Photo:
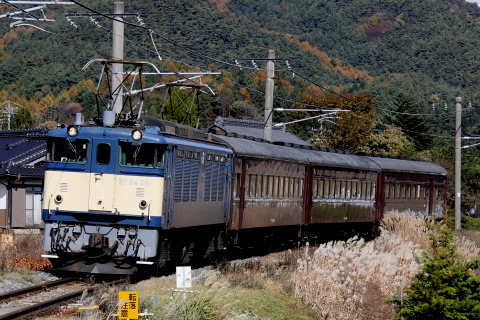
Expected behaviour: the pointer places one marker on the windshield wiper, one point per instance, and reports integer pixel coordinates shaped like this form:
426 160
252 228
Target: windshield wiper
72 148
135 154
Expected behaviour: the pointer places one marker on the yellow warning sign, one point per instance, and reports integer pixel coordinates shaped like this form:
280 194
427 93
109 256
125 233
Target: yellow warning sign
128 305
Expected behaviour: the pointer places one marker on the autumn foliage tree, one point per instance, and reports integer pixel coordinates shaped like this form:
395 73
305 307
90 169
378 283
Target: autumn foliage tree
348 130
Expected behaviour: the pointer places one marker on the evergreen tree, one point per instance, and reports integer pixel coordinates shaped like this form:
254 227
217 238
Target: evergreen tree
406 116
445 287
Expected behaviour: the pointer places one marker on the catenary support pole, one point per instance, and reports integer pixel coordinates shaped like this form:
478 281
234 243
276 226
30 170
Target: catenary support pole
458 161
117 53
267 129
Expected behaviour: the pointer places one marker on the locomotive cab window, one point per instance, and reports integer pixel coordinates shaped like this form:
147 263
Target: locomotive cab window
147 155
64 150
103 153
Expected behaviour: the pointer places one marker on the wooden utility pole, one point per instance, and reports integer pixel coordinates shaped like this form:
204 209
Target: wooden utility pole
269 85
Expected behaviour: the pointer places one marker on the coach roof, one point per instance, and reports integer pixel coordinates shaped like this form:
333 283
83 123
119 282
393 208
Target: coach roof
408 166
306 155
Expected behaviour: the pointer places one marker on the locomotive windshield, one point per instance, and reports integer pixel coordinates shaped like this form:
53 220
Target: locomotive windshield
144 155
64 150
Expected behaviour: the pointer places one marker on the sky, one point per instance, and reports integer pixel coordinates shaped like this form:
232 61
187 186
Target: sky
474 1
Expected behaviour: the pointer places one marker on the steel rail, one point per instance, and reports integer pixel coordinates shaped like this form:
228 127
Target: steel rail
38 287
44 306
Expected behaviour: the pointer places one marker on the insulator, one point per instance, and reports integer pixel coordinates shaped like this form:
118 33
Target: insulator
238 64
71 22
140 21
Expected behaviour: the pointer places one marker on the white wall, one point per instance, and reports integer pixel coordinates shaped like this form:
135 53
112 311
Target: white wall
3 197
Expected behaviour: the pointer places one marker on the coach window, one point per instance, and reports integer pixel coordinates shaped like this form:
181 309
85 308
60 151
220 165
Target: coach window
275 187
326 189
262 184
253 185
343 190
247 186
269 186
103 153
348 195
359 190
320 188
286 186
368 194
280 187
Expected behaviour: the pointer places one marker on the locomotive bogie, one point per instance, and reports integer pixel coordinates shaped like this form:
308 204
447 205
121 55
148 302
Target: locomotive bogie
116 249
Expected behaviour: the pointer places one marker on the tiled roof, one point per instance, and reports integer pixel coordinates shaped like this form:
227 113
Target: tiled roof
20 148
254 129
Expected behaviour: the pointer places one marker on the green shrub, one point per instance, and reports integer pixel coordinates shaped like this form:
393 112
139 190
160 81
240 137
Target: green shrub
470 223
445 287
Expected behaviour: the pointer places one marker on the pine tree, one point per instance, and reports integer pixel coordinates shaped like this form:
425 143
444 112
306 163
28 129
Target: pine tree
445 287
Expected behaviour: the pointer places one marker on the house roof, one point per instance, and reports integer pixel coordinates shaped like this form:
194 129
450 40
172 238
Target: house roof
254 129
22 152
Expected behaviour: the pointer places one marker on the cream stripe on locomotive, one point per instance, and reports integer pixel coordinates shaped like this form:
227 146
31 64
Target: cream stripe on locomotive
120 194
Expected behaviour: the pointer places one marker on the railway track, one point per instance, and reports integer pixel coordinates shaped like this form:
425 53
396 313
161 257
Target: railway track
43 299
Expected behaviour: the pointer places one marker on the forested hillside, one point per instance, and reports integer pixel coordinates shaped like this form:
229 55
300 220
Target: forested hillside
397 65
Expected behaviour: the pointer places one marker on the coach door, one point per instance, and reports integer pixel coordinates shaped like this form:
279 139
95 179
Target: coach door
102 178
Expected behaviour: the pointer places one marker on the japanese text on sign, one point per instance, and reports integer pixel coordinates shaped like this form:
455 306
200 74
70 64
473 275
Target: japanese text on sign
129 309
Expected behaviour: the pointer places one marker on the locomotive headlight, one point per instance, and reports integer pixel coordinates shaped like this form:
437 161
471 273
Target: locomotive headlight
136 135
143 204
58 198
72 131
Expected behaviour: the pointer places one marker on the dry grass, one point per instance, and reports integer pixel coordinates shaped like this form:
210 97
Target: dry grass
467 248
353 279
24 253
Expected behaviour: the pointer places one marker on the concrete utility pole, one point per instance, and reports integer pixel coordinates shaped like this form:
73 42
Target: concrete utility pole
267 130
458 161
117 53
